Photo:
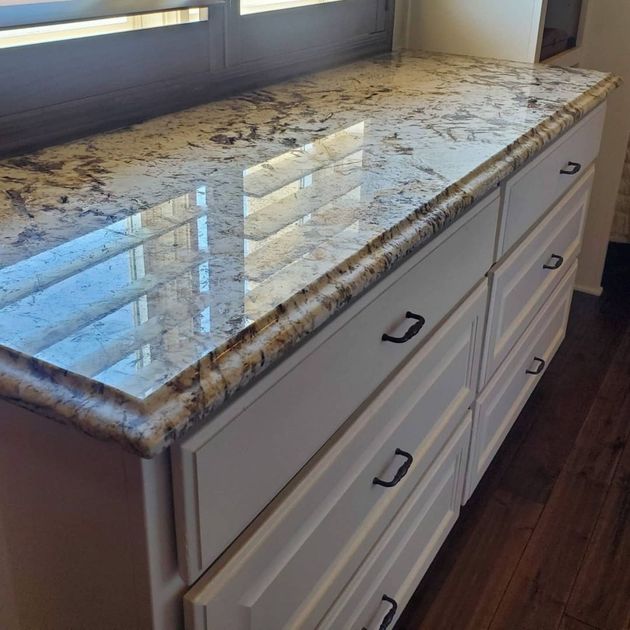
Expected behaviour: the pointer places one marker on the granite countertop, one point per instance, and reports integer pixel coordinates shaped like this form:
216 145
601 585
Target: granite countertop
148 274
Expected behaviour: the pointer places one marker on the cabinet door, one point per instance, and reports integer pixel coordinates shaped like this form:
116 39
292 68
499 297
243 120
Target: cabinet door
522 283
289 570
383 585
500 403
532 192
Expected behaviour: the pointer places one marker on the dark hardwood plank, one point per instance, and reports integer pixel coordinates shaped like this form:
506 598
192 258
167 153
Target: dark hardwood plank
563 399
604 435
540 587
542 583
601 595
466 598
616 281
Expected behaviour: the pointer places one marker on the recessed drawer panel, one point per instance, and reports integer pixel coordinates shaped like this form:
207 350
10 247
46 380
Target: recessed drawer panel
522 283
223 480
295 561
384 583
534 189
500 403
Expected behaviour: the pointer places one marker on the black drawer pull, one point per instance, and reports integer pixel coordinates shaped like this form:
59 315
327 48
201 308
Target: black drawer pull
414 329
540 368
400 473
557 262
574 169
391 613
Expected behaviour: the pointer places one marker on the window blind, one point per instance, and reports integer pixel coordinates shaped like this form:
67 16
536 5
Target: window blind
17 13
258 6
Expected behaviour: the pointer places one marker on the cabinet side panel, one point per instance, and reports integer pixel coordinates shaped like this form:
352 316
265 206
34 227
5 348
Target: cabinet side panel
65 528
504 29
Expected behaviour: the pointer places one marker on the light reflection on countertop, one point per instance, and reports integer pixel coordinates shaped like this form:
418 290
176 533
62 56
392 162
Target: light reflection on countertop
133 304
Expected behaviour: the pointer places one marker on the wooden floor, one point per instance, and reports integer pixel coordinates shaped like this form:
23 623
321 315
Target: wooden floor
544 543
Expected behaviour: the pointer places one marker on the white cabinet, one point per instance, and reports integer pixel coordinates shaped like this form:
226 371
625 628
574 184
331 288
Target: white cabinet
533 190
319 497
387 579
522 283
347 540
502 400
314 539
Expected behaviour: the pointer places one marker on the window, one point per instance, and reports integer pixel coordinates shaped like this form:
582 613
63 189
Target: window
257 6
26 13
562 27
76 67
24 36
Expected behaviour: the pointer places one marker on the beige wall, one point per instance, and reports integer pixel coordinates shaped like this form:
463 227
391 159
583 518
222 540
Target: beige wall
621 221
505 29
606 47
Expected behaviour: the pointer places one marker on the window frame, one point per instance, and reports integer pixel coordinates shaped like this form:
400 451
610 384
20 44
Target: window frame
221 63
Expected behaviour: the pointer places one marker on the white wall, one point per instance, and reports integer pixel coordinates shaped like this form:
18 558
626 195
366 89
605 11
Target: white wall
606 47
505 29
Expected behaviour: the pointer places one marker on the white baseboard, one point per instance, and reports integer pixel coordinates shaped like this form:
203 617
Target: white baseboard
596 291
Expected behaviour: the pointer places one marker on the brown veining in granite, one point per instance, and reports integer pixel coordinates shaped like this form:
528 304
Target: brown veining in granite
148 274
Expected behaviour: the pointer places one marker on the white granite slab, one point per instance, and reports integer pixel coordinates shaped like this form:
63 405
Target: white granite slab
148 274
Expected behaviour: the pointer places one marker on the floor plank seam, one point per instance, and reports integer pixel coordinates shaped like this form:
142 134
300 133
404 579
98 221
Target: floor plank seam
565 470
587 625
587 547
516 566
609 489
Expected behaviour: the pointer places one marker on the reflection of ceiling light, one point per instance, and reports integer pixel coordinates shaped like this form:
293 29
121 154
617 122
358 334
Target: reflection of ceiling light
353 133
276 175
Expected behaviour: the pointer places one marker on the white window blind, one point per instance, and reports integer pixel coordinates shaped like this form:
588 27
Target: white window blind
258 6
22 13
26 36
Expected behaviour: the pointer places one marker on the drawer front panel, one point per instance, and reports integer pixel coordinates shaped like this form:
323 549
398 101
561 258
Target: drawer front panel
532 191
314 538
261 449
521 284
500 403
403 554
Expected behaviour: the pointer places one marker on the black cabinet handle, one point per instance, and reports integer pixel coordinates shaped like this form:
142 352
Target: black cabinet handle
540 368
556 264
391 613
400 473
573 168
414 329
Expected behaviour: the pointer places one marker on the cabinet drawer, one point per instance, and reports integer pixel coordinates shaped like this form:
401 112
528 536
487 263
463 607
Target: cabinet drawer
522 283
401 557
500 403
223 480
533 190
292 565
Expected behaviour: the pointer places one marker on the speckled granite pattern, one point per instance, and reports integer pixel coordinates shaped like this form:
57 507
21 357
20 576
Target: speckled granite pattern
147 275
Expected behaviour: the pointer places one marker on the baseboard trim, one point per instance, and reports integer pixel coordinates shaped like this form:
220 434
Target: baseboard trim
596 291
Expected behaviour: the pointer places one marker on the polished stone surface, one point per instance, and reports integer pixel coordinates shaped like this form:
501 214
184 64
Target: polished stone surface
148 274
